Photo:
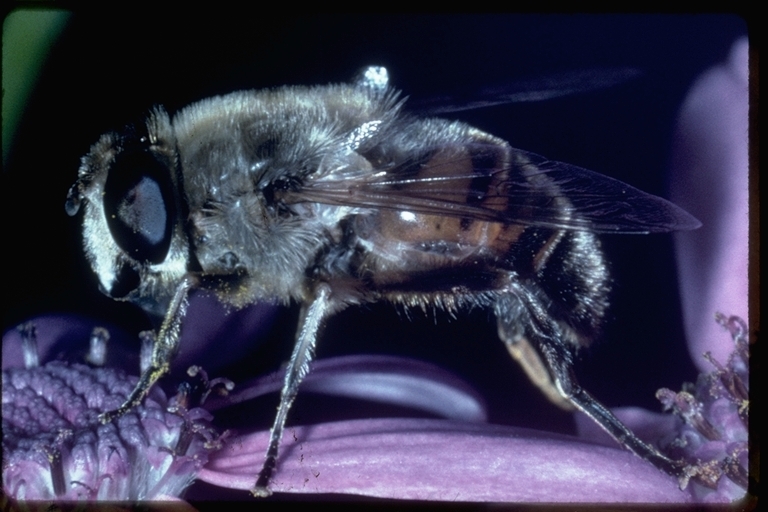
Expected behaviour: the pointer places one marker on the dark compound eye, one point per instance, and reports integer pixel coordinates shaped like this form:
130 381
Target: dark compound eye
138 202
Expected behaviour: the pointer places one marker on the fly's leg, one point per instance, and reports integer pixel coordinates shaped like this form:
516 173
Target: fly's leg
167 341
565 380
535 340
525 354
310 321
510 317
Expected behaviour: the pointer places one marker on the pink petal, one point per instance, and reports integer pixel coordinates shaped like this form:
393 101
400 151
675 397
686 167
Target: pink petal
445 461
384 379
711 168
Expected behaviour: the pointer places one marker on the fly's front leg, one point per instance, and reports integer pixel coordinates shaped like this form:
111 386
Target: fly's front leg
166 343
310 321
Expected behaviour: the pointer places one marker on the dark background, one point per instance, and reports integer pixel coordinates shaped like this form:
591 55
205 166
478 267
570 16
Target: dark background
107 70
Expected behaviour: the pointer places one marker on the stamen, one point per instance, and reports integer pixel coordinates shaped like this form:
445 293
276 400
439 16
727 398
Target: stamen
185 439
221 386
28 333
147 347
689 409
97 351
53 454
712 440
735 471
737 390
704 473
735 325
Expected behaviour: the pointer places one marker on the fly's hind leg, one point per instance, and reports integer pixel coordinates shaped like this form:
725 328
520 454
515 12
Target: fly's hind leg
310 321
565 380
511 328
536 341
528 358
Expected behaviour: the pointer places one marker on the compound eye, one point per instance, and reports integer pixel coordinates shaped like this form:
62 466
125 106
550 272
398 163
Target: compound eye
139 205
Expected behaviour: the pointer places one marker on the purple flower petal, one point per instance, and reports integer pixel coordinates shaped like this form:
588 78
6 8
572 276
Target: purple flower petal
444 461
383 379
711 168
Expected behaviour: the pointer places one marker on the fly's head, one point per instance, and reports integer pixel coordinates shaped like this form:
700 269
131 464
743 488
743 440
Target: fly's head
128 188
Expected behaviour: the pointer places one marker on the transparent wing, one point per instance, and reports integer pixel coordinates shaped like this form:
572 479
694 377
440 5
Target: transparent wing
525 90
530 190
